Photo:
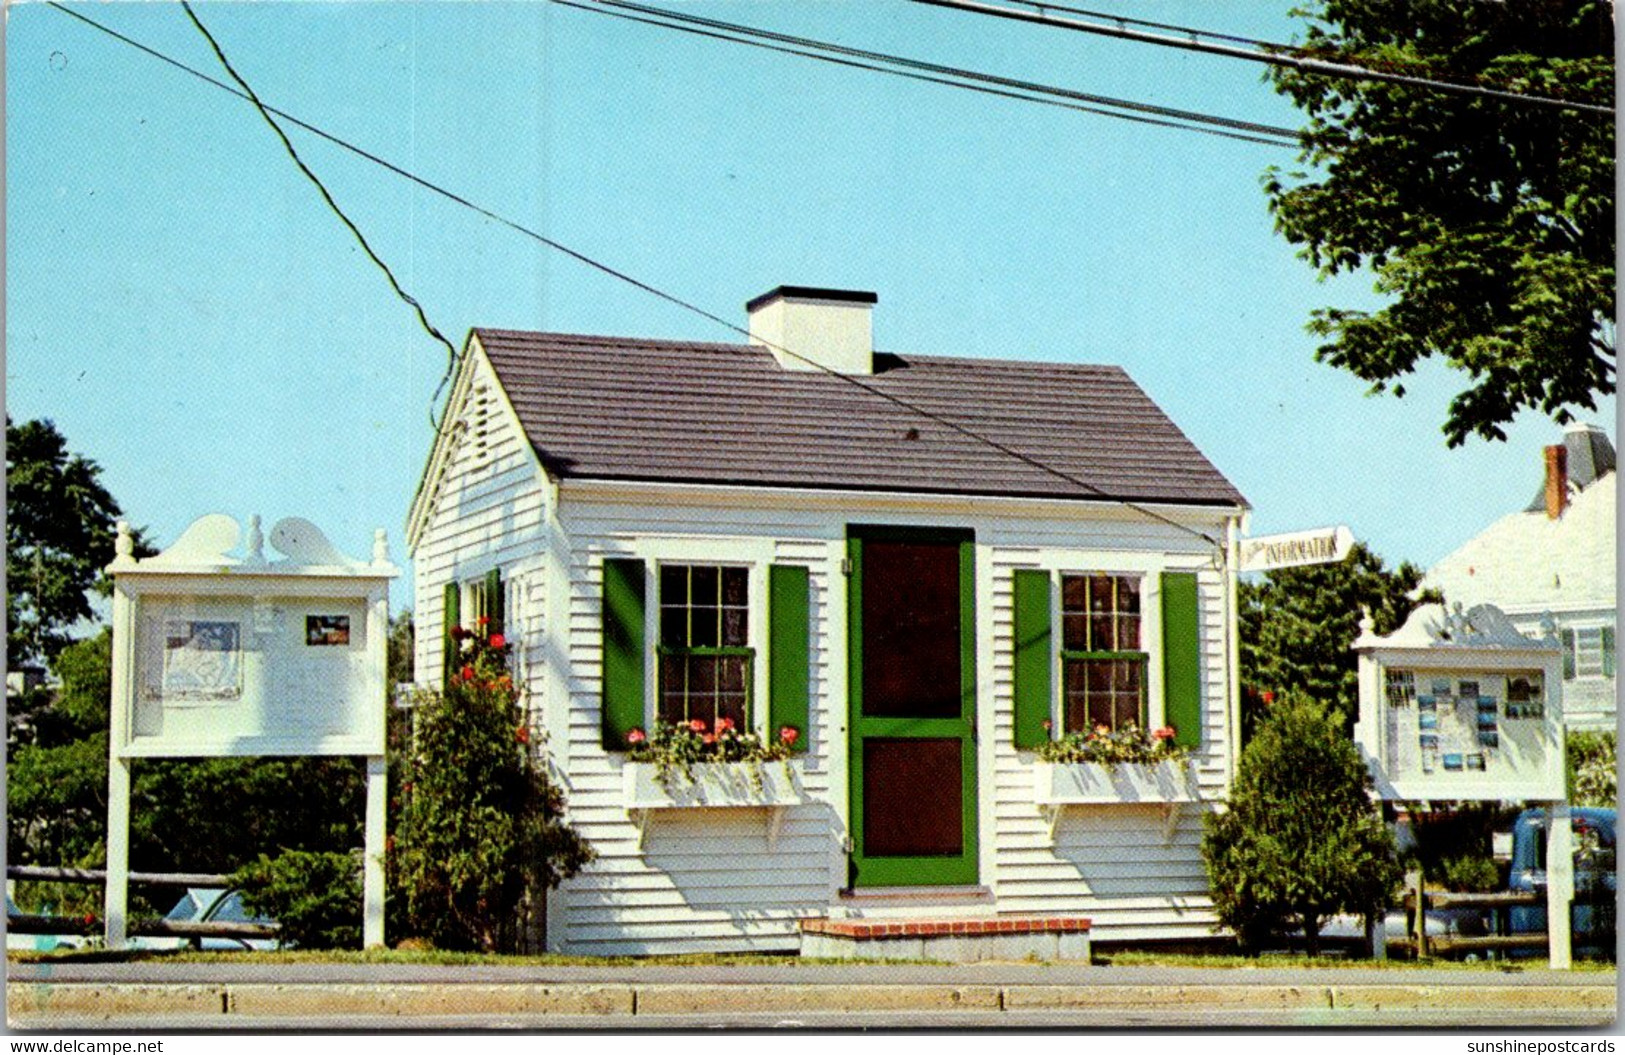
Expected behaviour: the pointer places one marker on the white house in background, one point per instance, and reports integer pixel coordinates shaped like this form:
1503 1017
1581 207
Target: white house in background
922 605
1556 557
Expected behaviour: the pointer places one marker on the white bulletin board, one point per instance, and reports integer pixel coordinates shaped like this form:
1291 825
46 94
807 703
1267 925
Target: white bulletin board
220 651
1461 708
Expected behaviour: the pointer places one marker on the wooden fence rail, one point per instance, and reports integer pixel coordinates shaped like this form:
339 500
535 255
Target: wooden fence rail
1418 900
40 874
163 928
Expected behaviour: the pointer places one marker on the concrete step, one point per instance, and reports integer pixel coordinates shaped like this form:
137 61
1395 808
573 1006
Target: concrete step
918 902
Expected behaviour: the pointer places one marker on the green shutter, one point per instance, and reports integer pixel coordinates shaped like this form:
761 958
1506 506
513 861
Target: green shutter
788 647
1032 656
1181 658
493 600
1607 651
1567 637
623 651
449 619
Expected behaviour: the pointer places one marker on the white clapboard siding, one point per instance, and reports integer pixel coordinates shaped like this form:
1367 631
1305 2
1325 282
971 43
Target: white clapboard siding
706 879
488 509
703 879
1119 865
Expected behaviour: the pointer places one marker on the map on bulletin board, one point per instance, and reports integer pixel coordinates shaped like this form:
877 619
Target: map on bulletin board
202 660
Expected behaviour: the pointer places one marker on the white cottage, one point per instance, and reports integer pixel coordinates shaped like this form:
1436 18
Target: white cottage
925 565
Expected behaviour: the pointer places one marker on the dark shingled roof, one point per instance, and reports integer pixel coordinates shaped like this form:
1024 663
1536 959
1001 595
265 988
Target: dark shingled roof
680 411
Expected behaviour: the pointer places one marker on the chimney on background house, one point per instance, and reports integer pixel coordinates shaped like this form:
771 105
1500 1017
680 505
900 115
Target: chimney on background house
811 329
1557 480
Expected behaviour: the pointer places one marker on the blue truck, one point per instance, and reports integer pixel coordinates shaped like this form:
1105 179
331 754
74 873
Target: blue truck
1596 881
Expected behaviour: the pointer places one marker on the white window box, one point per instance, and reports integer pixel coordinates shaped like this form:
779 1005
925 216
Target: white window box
1058 785
715 785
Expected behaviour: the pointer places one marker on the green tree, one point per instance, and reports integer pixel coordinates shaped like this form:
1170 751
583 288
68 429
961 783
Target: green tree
402 661
1593 774
56 775
1487 223
1301 839
60 527
1297 625
479 824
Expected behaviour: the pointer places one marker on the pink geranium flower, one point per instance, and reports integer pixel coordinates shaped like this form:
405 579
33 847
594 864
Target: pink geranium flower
1165 733
636 736
697 725
789 734
498 641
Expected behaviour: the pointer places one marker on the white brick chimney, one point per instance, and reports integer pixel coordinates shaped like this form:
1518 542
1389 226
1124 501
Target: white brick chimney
812 329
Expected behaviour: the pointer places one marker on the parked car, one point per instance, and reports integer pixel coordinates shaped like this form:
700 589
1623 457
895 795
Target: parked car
37 942
1440 923
1594 919
208 904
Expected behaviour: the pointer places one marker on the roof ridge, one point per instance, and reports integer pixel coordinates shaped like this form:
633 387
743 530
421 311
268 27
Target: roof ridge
538 336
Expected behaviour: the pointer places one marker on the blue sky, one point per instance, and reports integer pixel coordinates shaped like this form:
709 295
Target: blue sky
184 307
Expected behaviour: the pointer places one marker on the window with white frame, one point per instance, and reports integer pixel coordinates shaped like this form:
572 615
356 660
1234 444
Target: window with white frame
705 662
1103 658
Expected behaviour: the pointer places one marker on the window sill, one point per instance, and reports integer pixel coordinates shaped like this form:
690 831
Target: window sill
714 785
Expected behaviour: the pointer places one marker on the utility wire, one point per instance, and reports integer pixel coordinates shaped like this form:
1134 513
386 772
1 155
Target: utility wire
1364 62
654 291
1318 67
361 239
1042 5
683 22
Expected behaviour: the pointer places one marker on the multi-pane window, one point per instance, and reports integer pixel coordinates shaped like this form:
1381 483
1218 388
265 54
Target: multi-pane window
1401 687
1102 658
705 663
1588 652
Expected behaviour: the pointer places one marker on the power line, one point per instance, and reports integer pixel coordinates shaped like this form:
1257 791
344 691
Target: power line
361 239
639 284
1364 62
1298 62
867 60
1042 5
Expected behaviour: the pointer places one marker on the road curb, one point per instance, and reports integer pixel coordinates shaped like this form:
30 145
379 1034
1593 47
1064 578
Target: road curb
790 999
56 1005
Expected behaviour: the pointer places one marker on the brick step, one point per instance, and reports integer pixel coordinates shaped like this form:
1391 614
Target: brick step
951 940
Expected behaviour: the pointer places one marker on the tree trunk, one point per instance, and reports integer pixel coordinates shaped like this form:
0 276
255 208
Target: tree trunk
1311 933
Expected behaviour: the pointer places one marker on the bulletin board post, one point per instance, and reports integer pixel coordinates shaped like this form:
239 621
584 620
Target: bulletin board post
220 654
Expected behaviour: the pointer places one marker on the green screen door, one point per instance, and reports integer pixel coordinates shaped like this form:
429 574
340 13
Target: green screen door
913 696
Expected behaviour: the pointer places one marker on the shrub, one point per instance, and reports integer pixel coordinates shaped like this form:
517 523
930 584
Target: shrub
316 896
479 824
1302 839
1470 875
